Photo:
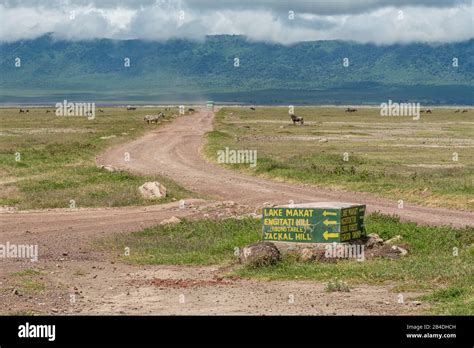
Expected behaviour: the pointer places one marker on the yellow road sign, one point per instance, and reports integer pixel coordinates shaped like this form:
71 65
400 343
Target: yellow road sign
328 235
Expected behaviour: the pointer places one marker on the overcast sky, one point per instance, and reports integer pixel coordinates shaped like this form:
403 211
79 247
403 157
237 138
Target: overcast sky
377 21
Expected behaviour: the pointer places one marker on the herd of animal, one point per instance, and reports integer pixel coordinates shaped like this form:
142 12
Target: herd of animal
295 119
49 111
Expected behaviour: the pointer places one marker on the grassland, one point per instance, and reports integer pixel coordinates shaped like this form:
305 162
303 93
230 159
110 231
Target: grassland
27 281
57 160
440 261
394 157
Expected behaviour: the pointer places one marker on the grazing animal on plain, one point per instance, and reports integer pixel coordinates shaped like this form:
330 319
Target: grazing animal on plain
351 110
297 119
101 110
252 109
457 111
191 110
21 111
153 118
48 111
129 108
465 110
429 111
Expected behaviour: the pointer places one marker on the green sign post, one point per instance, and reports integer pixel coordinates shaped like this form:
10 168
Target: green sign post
314 223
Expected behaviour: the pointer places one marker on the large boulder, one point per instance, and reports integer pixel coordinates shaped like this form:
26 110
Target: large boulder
260 254
152 189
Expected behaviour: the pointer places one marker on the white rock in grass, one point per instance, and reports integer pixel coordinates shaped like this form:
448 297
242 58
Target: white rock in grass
109 168
172 220
400 250
393 240
152 189
373 239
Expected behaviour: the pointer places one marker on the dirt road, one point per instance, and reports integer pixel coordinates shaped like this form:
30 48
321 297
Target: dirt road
175 151
72 268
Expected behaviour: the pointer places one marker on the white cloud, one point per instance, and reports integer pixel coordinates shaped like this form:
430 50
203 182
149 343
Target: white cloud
375 21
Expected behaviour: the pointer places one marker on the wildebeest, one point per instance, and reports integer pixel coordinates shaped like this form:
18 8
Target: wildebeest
24 110
48 111
457 110
153 118
351 110
465 110
252 109
297 119
191 110
429 111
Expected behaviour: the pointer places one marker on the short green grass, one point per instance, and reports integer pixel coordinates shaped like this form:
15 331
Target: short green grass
337 285
57 160
27 273
202 242
455 299
394 157
432 264
27 282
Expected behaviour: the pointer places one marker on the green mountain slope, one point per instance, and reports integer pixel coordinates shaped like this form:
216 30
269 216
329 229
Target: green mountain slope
307 72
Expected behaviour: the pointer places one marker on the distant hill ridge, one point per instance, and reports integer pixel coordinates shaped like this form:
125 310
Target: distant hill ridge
306 72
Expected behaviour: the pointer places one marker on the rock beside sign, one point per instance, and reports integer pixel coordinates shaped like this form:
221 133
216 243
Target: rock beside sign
372 240
371 246
260 254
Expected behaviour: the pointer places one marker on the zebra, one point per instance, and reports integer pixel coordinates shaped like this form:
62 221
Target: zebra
297 119
153 118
